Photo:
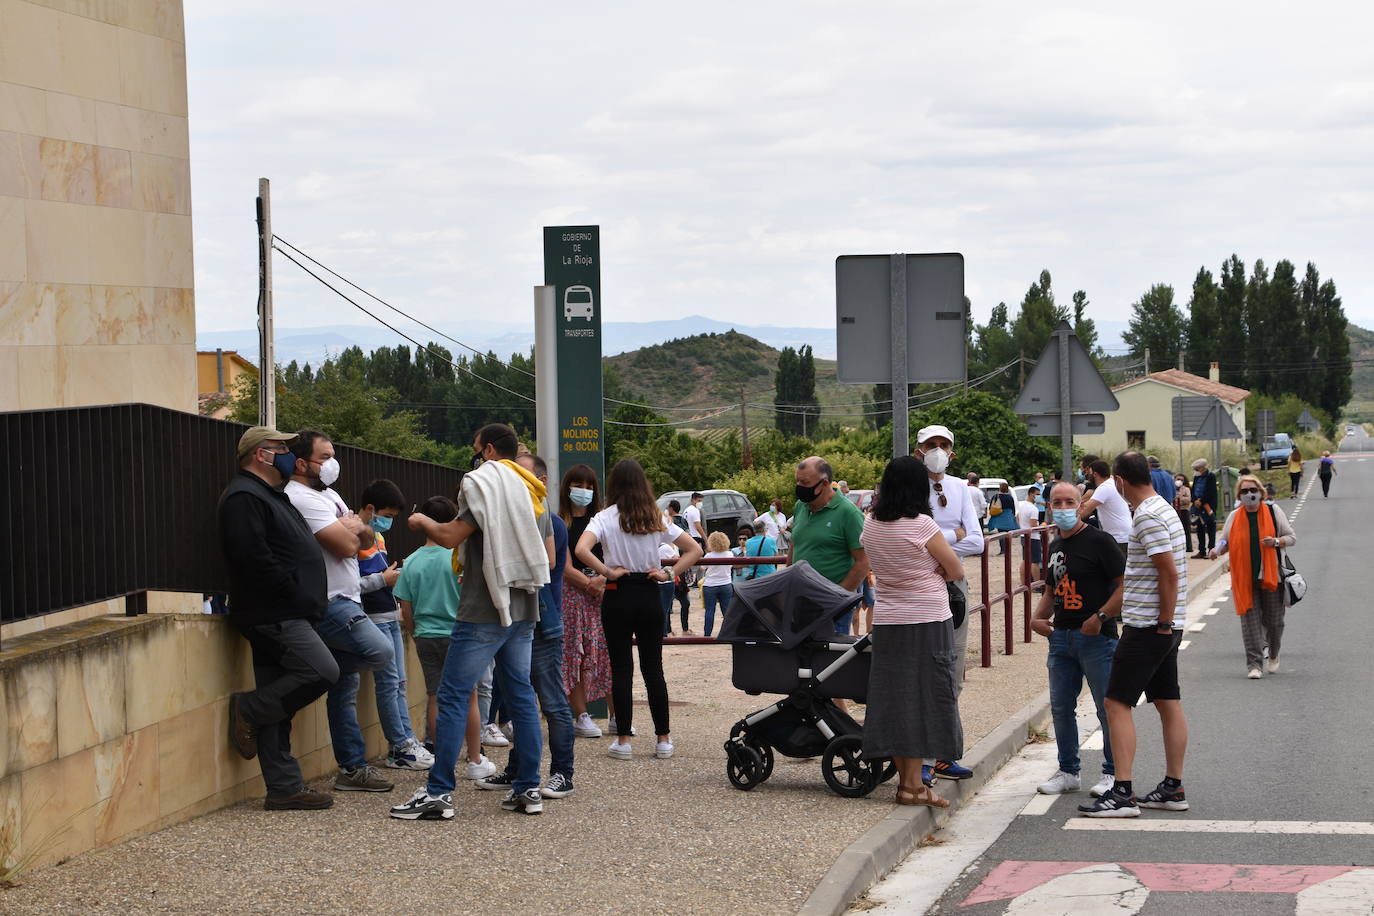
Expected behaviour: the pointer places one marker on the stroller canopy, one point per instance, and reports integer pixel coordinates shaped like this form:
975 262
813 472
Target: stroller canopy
785 609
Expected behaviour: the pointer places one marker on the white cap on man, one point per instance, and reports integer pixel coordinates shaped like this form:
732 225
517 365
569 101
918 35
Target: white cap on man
927 433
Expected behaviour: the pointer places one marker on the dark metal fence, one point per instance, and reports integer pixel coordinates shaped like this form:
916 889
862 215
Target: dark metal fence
113 502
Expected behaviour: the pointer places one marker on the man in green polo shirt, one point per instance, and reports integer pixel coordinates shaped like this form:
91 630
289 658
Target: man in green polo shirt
825 530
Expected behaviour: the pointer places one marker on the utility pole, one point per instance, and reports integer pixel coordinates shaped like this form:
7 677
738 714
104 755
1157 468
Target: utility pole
267 351
1147 360
746 460
1180 360
1021 370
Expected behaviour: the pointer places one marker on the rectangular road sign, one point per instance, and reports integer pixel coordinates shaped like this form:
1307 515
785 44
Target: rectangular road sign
1264 425
572 265
1081 424
1202 419
935 323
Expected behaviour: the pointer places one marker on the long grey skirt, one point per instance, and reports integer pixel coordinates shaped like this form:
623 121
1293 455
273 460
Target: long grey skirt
913 707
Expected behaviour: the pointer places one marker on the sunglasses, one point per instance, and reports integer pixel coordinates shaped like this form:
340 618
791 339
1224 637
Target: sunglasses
940 492
1248 490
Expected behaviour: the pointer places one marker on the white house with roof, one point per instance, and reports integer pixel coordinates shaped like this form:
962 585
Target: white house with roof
1145 421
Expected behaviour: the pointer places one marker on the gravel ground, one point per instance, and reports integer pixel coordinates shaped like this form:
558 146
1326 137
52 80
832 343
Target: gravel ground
641 836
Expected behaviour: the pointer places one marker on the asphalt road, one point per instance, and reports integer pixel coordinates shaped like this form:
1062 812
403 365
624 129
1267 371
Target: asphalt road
1294 747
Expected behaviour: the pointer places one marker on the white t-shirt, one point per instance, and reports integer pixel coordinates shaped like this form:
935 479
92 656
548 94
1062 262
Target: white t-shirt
692 516
320 509
980 502
1113 512
1027 515
717 575
772 525
635 552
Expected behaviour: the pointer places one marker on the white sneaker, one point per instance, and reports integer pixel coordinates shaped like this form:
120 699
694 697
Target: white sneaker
1254 674
1060 783
610 727
663 750
620 751
492 737
508 730
410 756
584 727
1104 785
1273 664
481 769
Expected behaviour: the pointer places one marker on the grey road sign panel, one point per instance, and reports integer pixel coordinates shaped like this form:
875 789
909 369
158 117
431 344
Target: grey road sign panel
1080 424
1308 422
1088 390
1264 424
1219 425
1189 414
935 326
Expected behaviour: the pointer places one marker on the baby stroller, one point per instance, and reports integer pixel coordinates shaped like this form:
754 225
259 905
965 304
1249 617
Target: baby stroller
782 635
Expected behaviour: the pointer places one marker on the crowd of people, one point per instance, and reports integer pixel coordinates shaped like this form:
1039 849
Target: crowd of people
529 600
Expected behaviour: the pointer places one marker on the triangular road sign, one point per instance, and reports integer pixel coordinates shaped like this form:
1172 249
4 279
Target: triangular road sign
1218 425
1088 391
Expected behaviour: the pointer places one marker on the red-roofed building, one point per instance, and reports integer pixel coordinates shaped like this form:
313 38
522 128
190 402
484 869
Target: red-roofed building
1146 421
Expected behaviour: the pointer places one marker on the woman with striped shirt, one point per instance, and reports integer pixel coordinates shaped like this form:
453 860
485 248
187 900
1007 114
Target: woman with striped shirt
913 708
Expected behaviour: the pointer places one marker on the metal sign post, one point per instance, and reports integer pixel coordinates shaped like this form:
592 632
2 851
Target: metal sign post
917 300
546 380
1064 383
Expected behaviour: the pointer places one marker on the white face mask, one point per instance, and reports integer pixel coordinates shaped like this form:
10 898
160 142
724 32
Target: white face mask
329 472
936 460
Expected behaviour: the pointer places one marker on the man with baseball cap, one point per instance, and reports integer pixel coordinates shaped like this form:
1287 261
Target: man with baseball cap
954 512
277 592
1205 500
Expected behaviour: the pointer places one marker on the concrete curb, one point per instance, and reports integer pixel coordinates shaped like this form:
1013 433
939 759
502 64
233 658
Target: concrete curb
892 839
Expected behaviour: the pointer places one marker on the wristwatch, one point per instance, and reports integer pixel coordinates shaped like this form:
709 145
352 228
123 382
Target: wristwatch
1103 617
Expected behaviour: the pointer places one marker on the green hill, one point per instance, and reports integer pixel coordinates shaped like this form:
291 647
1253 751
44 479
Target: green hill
710 370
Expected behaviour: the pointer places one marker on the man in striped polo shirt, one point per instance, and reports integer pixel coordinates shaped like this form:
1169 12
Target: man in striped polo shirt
1154 596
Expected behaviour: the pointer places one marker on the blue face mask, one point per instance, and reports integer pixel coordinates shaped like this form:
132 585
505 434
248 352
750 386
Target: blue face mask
580 496
1066 519
380 524
285 463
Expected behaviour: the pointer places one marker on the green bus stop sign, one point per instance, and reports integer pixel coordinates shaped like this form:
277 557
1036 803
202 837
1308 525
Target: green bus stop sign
572 265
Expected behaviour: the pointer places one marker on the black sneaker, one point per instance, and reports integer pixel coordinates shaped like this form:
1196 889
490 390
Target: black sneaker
425 807
497 781
304 800
1164 798
557 786
527 802
1113 804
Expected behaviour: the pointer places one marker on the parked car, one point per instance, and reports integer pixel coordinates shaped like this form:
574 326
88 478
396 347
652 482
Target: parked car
861 498
721 510
1276 451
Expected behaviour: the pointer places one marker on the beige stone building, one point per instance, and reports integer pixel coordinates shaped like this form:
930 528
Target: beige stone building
96 291
219 372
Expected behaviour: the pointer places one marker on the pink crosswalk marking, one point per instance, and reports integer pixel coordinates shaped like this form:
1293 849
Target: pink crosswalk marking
1012 879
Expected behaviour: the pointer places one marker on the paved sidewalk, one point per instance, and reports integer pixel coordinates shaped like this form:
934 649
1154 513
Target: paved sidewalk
640 836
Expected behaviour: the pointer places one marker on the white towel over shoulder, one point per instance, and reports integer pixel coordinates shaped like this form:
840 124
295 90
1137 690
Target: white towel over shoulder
513 553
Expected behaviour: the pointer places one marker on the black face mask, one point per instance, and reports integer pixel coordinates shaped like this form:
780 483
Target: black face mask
807 494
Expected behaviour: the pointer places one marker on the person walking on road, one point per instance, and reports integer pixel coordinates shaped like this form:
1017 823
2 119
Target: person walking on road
1326 469
1255 532
1076 613
952 508
1205 505
1183 504
1153 602
913 707
277 593
1295 470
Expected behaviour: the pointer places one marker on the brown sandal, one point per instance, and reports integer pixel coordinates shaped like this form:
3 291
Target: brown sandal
923 796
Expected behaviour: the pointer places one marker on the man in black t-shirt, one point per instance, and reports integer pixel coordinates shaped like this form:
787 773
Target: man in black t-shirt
1082 573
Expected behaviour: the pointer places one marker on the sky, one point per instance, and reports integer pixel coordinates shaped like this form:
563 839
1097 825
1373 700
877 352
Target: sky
730 152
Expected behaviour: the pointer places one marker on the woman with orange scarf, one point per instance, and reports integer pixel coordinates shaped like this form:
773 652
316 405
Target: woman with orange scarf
1253 536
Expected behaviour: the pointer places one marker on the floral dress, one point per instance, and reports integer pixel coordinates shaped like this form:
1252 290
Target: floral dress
585 660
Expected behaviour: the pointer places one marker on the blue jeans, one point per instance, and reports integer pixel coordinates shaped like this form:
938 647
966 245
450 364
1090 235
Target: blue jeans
472 649
393 712
546 676
357 645
665 594
711 595
1072 658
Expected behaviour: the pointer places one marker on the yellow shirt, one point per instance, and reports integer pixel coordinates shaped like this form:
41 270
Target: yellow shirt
1294 466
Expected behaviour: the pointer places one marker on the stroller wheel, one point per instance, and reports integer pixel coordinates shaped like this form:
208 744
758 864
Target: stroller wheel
889 770
744 767
845 770
766 755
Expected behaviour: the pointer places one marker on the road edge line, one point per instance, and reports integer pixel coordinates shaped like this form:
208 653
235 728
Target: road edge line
887 844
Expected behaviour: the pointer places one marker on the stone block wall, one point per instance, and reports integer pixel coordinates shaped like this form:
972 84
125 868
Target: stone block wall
116 726
96 287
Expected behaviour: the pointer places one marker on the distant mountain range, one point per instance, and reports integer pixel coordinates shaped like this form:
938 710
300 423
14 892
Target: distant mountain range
315 344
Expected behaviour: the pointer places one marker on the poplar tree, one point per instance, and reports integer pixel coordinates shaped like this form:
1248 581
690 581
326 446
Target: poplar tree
1156 325
1204 343
1231 329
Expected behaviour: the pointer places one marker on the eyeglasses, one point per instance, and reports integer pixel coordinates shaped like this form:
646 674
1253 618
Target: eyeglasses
940 492
277 450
